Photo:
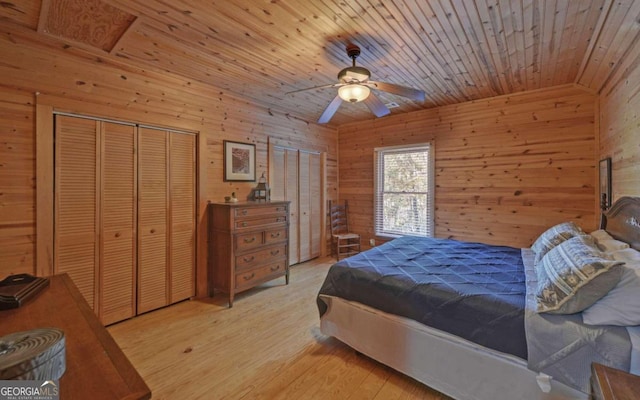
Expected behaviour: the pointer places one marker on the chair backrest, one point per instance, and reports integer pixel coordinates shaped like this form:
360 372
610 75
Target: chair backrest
339 217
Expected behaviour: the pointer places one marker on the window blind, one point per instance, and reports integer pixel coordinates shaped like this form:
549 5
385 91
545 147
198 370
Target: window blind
404 190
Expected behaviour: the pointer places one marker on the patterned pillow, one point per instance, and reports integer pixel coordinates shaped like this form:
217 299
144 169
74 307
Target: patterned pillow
574 275
553 237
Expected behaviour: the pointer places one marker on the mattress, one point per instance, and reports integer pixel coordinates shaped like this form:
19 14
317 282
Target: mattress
384 280
471 290
453 366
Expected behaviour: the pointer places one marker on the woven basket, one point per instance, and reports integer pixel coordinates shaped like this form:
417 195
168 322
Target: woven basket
38 354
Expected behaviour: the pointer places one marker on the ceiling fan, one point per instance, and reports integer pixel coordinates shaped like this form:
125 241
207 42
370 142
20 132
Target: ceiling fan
355 86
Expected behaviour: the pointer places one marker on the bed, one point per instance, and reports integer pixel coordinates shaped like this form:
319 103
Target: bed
462 317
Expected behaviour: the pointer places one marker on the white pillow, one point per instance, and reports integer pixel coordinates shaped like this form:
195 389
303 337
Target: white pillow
606 242
621 306
601 234
553 236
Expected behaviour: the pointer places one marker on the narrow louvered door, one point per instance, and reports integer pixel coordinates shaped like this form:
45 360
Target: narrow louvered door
76 217
152 219
118 222
304 188
182 216
291 179
277 182
315 203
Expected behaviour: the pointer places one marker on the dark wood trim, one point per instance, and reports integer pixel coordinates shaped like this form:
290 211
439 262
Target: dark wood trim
622 221
613 384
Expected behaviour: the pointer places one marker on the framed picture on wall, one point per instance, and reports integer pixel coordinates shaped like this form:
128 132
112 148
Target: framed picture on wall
605 183
239 162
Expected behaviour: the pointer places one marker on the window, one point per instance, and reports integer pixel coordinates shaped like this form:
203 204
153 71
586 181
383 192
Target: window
404 190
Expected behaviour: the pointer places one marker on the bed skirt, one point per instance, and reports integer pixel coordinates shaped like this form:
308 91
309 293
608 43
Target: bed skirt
454 366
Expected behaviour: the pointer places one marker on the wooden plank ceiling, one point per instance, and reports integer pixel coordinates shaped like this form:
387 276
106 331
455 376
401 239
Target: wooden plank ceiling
454 50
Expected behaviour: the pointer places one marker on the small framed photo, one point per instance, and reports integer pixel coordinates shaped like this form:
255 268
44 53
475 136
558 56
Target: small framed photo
605 183
239 162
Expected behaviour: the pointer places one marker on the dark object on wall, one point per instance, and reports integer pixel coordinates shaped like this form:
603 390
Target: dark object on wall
605 183
15 290
37 354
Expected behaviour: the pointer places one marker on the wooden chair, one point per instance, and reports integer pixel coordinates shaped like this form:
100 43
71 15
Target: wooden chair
343 242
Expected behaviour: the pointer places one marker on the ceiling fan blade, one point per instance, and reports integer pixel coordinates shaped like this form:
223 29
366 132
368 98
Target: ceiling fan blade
330 110
332 85
376 106
413 94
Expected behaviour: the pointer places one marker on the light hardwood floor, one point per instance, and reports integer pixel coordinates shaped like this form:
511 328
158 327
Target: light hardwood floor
268 346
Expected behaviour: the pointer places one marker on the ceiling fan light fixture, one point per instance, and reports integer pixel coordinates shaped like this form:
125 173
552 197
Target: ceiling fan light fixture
353 93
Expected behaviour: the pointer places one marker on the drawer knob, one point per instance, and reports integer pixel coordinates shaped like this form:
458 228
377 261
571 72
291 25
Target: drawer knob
244 224
250 240
275 252
273 269
249 277
275 235
280 209
279 219
248 259
243 212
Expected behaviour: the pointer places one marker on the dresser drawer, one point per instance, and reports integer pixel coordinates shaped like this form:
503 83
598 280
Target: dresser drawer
253 277
248 240
262 256
258 222
241 212
275 235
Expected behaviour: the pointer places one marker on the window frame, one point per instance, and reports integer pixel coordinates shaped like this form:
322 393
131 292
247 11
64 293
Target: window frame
378 180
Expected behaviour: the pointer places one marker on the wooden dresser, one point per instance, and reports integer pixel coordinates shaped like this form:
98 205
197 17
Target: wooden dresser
248 245
612 384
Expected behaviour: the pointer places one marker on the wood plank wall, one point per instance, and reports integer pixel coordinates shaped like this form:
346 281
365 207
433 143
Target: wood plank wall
619 111
33 64
506 168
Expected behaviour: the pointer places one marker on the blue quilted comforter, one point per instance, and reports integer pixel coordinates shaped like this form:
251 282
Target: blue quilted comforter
472 290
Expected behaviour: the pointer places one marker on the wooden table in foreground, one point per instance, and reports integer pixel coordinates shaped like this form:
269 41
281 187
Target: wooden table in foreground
96 367
612 384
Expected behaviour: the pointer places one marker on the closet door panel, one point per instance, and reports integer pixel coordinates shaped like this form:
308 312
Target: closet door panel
152 219
291 193
277 177
315 203
76 218
304 179
118 210
182 178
